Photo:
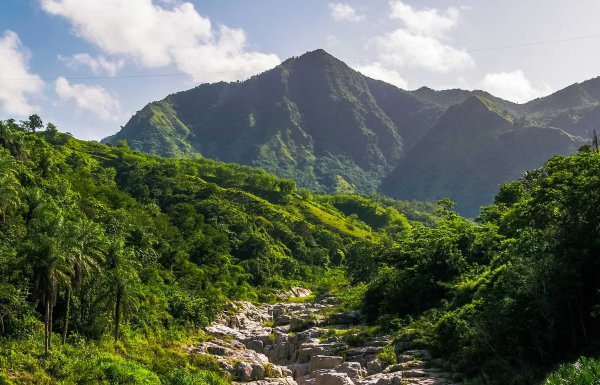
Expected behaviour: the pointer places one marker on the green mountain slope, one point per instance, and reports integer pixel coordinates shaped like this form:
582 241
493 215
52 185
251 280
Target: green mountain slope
312 119
316 121
471 150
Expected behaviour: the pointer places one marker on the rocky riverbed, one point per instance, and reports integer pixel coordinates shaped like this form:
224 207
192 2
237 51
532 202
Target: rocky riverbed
296 344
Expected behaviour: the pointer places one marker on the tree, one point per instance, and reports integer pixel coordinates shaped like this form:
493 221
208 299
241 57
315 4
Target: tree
33 123
9 197
84 240
122 280
12 140
49 262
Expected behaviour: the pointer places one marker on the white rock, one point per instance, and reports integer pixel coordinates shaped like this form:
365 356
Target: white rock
324 362
332 378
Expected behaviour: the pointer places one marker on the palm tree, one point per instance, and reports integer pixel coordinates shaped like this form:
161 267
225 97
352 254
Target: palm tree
12 140
48 259
84 240
122 280
51 271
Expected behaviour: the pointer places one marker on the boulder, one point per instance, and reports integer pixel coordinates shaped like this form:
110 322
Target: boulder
306 380
324 362
414 373
353 369
347 318
299 370
218 350
315 348
274 381
383 379
298 324
374 366
282 320
243 371
256 345
332 378
258 372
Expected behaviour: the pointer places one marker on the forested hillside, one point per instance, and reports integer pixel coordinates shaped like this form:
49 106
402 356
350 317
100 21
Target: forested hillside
112 261
103 244
505 299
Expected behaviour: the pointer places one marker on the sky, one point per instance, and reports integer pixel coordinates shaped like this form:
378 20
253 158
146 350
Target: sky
89 65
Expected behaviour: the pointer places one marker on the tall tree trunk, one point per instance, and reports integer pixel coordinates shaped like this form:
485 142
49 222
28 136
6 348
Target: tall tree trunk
46 323
118 313
51 311
67 315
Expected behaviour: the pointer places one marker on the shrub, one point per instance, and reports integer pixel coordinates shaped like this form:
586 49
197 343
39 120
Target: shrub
585 371
387 356
202 377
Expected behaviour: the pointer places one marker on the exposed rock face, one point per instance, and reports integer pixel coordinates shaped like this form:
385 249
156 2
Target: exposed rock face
283 344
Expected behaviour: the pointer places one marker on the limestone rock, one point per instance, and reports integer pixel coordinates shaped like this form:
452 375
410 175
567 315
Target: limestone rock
256 345
374 366
353 369
299 370
332 378
324 362
347 318
243 371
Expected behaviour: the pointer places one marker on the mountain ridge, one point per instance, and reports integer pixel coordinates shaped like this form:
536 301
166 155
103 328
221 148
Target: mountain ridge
317 121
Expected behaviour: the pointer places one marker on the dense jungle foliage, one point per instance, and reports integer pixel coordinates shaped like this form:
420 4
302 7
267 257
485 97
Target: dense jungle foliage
504 299
102 243
112 261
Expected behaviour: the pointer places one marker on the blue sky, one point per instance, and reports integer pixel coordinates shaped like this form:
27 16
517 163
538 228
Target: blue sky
89 65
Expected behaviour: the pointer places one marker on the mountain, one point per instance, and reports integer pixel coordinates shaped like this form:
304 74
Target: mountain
315 120
471 150
312 119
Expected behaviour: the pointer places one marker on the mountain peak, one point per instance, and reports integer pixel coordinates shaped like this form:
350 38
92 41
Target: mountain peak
476 113
313 58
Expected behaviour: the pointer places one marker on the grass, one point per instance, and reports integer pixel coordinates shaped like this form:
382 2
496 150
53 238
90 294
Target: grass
354 335
306 299
137 359
337 222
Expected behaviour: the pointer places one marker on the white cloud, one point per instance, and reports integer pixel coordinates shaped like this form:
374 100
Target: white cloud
344 12
403 48
98 65
377 71
157 35
421 42
18 84
513 86
428 21
92 98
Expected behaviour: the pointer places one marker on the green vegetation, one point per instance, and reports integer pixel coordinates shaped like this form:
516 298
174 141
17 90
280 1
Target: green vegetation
584 371
470 151
275 121
112 261
505 299
387 355
318 122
